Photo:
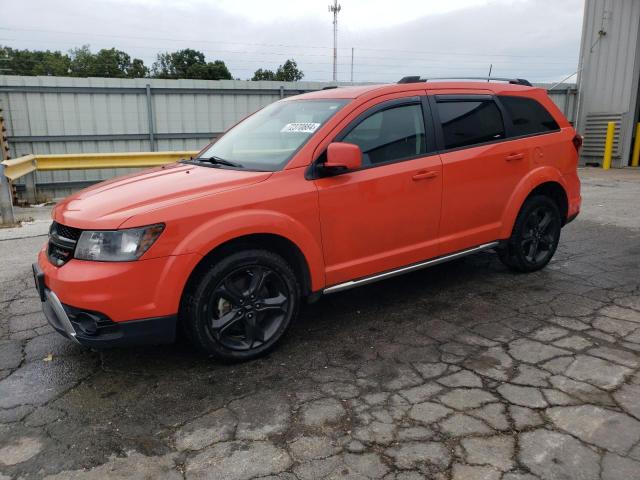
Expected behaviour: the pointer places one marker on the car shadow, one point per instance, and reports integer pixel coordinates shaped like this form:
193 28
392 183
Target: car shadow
334 318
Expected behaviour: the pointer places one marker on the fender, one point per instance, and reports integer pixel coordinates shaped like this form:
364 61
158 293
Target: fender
526 185
224 228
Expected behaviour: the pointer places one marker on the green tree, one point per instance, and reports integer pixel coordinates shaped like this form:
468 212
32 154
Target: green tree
111 63
27 62
178 64
216 70
288 72
265 74
108 62
51 63
189 63
82 62
137 69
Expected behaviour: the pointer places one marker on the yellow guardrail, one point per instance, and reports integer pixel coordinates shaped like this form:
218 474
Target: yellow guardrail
18 167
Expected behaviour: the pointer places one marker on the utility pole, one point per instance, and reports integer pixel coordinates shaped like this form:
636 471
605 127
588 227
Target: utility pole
335 9
351 64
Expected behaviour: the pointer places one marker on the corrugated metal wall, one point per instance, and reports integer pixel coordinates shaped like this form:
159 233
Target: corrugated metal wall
72 115
610 68
564 96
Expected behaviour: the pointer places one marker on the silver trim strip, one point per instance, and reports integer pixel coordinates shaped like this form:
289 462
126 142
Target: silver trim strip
60 313
410 268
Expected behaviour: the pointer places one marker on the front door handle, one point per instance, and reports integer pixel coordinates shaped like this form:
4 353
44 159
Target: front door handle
515 156
425 175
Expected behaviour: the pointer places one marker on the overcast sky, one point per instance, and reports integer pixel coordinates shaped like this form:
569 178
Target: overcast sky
534 39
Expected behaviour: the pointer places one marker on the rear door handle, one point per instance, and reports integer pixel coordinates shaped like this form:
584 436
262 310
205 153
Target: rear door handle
515 156
425 175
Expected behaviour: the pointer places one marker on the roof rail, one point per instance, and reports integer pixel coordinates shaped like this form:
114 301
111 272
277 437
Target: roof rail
514 81
411 79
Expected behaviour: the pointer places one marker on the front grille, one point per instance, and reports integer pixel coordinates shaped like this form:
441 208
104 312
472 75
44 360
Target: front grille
65 231
62 243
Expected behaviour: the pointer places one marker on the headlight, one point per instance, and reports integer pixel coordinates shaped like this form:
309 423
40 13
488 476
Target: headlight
117 245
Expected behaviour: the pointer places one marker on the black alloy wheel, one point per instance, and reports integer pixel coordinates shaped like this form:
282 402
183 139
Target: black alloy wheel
535 235
247 307
540 232
241 305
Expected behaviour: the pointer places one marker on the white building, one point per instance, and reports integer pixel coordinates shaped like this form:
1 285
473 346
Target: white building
608 77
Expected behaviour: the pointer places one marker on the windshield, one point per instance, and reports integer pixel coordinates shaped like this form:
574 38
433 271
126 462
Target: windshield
269 138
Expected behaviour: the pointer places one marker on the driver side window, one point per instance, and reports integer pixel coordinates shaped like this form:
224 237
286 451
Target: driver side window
390 135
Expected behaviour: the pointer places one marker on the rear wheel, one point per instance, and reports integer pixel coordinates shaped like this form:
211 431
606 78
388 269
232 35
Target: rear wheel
240 307
535 235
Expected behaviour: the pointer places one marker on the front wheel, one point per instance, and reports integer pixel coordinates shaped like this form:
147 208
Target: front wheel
535 235
240 307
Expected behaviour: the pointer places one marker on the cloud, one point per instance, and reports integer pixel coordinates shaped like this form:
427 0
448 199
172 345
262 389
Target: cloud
534 39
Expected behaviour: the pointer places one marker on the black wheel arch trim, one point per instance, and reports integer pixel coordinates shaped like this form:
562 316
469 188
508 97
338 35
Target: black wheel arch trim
275 243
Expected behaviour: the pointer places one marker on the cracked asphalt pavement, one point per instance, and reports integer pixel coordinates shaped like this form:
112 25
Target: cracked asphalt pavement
463 371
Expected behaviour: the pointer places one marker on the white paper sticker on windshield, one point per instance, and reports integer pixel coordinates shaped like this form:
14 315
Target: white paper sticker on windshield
307 127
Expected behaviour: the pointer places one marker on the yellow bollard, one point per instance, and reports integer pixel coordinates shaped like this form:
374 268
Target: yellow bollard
635 158
608 146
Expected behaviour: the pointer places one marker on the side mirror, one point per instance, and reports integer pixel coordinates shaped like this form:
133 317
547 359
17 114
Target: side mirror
343 157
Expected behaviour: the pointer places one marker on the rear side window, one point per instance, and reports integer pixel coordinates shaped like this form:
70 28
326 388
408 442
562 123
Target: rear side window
528 117
389 135
469 122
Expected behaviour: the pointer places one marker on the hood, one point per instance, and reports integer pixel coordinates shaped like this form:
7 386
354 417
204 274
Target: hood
108 204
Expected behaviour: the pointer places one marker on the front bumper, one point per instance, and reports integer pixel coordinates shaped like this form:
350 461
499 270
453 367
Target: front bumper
122 291
95 330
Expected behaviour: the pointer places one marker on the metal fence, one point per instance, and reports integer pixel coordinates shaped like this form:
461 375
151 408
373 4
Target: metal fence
55 115
565 97
51 115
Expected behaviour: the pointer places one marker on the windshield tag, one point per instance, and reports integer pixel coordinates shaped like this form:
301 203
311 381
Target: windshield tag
307 127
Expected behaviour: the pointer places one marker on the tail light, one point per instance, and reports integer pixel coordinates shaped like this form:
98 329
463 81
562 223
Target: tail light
577 142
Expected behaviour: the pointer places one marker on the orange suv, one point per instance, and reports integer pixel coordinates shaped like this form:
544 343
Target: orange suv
311 195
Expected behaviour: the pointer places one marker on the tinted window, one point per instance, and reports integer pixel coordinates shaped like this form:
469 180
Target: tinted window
470 122
528 117
390 134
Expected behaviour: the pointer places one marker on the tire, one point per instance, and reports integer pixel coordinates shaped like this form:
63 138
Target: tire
535 235
240 307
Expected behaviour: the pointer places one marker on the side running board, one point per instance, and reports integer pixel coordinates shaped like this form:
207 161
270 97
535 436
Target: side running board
409 268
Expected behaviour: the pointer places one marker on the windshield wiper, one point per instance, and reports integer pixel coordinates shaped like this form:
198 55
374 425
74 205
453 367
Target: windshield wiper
219 161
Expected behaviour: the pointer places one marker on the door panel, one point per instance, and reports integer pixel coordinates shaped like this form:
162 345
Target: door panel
481 169
380 218
385 215
477 185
